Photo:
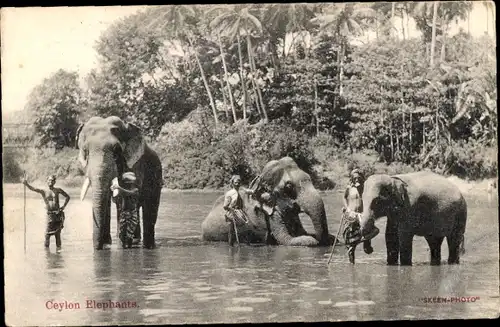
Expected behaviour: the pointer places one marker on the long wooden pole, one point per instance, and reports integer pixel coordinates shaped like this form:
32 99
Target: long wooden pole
24 211
336 238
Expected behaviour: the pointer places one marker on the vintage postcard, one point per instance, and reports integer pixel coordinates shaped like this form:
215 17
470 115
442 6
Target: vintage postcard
250 163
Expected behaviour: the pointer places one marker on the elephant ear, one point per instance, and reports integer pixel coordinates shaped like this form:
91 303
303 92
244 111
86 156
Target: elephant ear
83 153
134 144
272 175
399 192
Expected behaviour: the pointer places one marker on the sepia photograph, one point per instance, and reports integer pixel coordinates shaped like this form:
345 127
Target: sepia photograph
250 163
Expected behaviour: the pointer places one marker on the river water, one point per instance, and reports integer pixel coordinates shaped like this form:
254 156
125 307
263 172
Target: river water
187 281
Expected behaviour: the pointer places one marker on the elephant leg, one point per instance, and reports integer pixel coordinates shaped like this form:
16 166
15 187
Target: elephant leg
149 217
367 247
392 243
435 247
405 248
454 248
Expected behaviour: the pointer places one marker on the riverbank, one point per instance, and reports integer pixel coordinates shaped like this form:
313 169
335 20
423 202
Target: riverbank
466 187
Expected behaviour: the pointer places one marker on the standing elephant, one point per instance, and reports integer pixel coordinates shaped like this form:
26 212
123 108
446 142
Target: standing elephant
108 147
420 203
273 177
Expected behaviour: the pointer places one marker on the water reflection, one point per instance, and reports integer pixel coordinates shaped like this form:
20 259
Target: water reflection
189 281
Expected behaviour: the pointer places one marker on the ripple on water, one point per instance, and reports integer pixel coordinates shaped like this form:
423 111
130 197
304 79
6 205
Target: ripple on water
234 288
308 284
348 303
325 302
251 300
240 309
154 297
206 298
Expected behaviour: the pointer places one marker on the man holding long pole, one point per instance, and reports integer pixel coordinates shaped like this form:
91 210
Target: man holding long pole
55 213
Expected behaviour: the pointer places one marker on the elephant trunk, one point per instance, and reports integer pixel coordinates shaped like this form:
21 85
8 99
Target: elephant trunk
367 220
101 174
312 204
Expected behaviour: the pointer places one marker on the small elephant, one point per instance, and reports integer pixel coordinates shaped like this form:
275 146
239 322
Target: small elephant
420 203
109 147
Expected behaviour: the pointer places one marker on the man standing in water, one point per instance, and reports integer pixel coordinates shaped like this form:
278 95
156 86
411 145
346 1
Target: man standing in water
55 213
234 207
353 208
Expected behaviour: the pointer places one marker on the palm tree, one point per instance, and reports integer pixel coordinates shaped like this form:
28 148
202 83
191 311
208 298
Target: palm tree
433 42
423 9
489 7
241 19
344 19
288 19
179 21
222 57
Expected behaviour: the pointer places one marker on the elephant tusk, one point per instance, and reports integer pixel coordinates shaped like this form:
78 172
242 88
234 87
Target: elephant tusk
85 188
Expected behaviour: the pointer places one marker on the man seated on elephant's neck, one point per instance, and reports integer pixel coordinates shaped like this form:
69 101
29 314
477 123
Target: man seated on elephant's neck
234 207
353 207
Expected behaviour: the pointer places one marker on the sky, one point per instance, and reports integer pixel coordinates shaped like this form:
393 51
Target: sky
36 42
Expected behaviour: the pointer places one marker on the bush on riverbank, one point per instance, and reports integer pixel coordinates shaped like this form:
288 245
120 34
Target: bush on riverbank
40 163
195 155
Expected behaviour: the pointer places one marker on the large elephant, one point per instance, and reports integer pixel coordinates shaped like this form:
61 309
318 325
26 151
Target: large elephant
265 224
109 147
420 203
274 175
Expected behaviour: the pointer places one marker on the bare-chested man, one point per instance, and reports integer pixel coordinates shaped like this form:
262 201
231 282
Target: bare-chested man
353 207
55 213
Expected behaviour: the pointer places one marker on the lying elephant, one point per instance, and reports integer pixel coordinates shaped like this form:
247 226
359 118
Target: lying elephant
274 175
275 225
420 203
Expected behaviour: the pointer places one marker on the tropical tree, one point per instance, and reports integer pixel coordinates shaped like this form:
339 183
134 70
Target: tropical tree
344 20
490 6
55 104
178 22
240 20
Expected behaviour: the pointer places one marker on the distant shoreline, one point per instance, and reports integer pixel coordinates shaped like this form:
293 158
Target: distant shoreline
16 189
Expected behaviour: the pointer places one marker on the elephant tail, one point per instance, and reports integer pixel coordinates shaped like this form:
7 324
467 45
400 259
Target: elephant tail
461 222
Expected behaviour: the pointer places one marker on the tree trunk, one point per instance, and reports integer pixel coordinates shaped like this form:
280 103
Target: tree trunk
487 21
205 82
408 23
443 46
437 125
423 136
403 23
392 142
316 113
226 75
393 8
411 132
433 42
224 100
253 67
341 74
243 82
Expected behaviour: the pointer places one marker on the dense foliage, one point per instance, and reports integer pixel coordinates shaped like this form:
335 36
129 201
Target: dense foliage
55 104
223 89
